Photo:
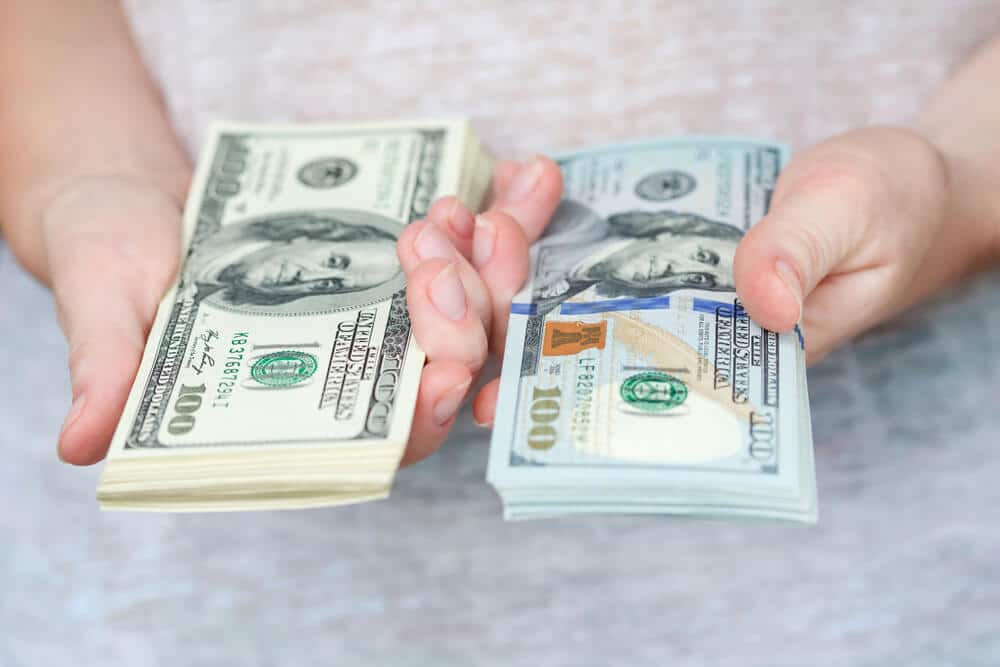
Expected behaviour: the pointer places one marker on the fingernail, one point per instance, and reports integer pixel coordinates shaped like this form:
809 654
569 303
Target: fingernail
791 280
448 405
461 220
447 293
483 241
480 424
431 243
525 180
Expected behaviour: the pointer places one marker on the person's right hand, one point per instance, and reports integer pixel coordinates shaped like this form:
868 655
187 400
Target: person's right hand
112 247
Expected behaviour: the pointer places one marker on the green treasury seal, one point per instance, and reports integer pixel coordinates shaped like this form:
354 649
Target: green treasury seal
653 391
283 369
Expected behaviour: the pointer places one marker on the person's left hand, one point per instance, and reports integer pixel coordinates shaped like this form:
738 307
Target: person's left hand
462 271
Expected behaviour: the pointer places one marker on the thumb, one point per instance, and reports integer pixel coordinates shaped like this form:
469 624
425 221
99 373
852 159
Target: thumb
112 250
811 230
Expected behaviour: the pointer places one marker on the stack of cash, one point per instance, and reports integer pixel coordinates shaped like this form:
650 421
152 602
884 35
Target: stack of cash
633 380
280 370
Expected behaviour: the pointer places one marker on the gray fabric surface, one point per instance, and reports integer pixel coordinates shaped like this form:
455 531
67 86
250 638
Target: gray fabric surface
903 568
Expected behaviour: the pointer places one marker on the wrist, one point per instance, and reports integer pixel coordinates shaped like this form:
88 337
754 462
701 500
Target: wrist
76 106
961 121
976 195
26 203
973 203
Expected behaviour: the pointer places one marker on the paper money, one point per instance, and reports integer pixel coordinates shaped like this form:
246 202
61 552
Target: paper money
633 380
280 370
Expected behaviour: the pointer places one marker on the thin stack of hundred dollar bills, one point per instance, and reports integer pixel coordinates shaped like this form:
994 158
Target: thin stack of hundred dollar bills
633 379
280 371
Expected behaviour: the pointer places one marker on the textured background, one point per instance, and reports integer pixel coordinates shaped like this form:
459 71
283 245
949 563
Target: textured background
904 567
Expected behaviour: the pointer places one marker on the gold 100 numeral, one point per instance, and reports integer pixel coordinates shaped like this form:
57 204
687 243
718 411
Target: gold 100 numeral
544 411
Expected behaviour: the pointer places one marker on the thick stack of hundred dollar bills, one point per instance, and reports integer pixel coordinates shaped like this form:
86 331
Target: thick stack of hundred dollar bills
280 370
633 380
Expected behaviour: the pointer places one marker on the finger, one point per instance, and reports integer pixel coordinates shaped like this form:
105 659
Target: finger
444 323
425 240
109 263
500 255
820 216
443 386
485 404
532 195
456 220
106 335
503 174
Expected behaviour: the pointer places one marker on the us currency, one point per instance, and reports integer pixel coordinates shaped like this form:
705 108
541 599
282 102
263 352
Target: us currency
634 380
280 370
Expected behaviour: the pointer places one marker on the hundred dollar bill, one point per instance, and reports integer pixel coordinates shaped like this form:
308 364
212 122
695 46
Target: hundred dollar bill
633 378
280 370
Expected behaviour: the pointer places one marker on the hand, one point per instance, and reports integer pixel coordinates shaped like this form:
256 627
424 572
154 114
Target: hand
462 272
861 227
112 246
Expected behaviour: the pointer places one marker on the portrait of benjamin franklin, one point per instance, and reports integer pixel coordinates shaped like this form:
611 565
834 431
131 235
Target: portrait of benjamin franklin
271 263
637 254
